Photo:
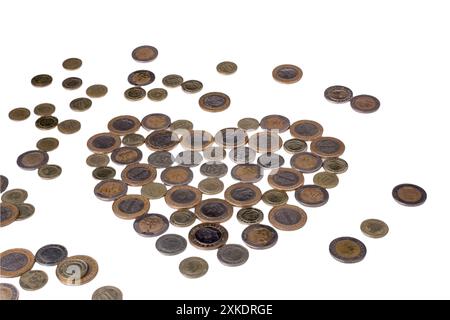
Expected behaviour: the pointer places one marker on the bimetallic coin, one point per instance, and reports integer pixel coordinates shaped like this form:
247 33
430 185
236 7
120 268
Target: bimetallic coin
135 93
26 210
226 67
275 122
15 262
3 183
104 173
69 126
192 86
183 197
196 140
208 236
247 173
214 102
286 179
144 53
176 176
80 104
32 160
126 155
181 126
326 180
347 250
365 103
41 80
15 196
46 122
338 94
107 293
275 197
259 236
248 124
409 195
312 195
133 140
141 77
97 160
265 142
287 73
96 91
72 83
51 254
214 210
171 244
214 169
335 165
151 225
189 158
214 153
8 213
77 270
130 206
287 217
138 174
327 147
243 194
110 190
33 280
47 144
270 161
182 218
306 162
231 137
193 267
123 125
242 155
72 64
19 114
8 292
250 215
232 255
172 80
162 140
156 121
306 130
103 142
49 171
374 228
157 94
161 159
44 109
154 190
295 146
211 186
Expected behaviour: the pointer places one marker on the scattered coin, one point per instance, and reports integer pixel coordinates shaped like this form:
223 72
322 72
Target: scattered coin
156 121
80 104
248 124
242 155
33 280
41 80
265 142
72 64
335 165
275 197
97 160
171 244
49 171
133 140
19 114
232 255
172 80
189 158
306 130
141 77
214 153
327 147
3 183
103 142
214 102
144 53
135 93
306 162
192 86
287 73
243 194
409 195
8 292
47 144
208 236
104 173
286 179
338 94
287 217
96 91
295 146
126 155
15 262
183 197
109 190
51 254
193 267
46 122
107 293
270 160
72 83
326 180
77 270
151 225
250 215
211 186
312 195
176 176
32 160
157 94
44 109
365 103
275 122
347 250
226 67
181 126
154 190
214 169
182 218
162 140
130 206
8 214
247 173
138 174
69 126
161 159
374 228
231 138
196 140
214 210
15 196
123 125
259 236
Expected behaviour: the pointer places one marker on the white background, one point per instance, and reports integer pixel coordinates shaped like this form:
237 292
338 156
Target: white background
397 51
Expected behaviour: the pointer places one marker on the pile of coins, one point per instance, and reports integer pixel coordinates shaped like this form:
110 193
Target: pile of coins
13 206
363 103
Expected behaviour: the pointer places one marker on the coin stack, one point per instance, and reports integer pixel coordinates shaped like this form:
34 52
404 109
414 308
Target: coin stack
13 206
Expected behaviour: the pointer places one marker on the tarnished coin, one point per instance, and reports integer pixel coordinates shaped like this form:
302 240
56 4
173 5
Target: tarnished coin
182 218
176 176
110 190
96 91
189 158
338 94
135 93
156 121
214 210
161 159
130 206
32 160
183 197
287 73
103 142
15 196
326 180
409 195
242 155
144 53
33 280
208 236
211 186
214 153
69 126
374 228
171 244
226 67
15 262
250 215
181 126
312 195
41 80
19 114
8 292
275 122
44 109
72 83
306 162
26 210
141 77
104 173
80 104
51 254
47 144
275 197
231 137
243 194
248 124
151 225
192 86
49 171
46 122
295 146
77 270
285 179
157 94
247 173
126 155
162 140
327 147
138 174
107 293
214 102
133 140
270 160
214 169
260 236
72 63
123 125
97 160
306 130
196 140
335 165
232 255
4 182
265 142
154 190
365 103
8 213
172 80
347 250
287 217
193 267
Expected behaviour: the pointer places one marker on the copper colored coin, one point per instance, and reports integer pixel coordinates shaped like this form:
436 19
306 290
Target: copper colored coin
162 140
208 236
72 64
260 236
103 142
161 159
226 67
265 142
151 225
287 217
138 174
126 155
133 140
19 114
181 126
32 160
69 126
211 186
193 267
326 180
46 122
172 80
214 153
250 215
41 80
275 122
96 91
154 190
247 173
130 206
182 218
183 197
214 102
275 197
312 195
374 228
80 104
338 94
144 53
335 165
72 83
110 190
15 262
248 124
123 125
327 147
196 140
214 169
306 130
47 144
306 162
8 292
176 176
141 77
409 195
243 194
135 93
231 137
44 109
365 103
8 214
33 280
270 160
156 121
49 171
157 94
192 86
287 73
77 270
104 173
4 182
286 179
214 210
347 250
295 146
15 196
97 160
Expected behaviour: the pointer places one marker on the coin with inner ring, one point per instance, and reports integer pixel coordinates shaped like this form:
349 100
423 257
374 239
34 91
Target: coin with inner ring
157 94
126 155
15 262
208 236
275 122
15 196
347 250
104 173
123 125
131 206
141 77
247 172
287 217
77 270
176 176
327 147
306 130
335 165
8 292
138 174
161 159
32 160
8 214
214 210
214 169
144 53
214 102
162 140
259 236
226 67
312 195
265 142
109 190
243 194
135 93
49 171
306 162
196 140
72 83
287 73
374 228
192 86
365 103
286 179
231 137
409 195
338 94
183 197
104 142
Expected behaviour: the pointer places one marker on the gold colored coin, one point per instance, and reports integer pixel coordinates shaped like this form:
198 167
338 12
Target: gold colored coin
211 186
374 228
47 144
154 190
157 94
227 67
77 270
19 114
97 91
326 180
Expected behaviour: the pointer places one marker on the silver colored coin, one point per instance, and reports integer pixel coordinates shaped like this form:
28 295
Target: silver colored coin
193 267
242 154
182 218
270 160
232 255
295 146
250 215
26 210
107 293
214 169
189 158
171 244
161 159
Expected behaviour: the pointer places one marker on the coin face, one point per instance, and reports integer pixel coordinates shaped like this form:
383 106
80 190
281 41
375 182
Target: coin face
133 140
33 280
275 197
51 254
347 250
287 217
151 225
259 236
80 104
287 73
107 293
15 196
306 162
242 155
250 215
110 190
181 126
327 147
196 140
104 173
8 292
270 160
189 158
161 159
247 173
214 153
183 197
214 210
130 206
193 267
326 180
26 210
211 186
123 125
69 126
312 195
232 255
3 183
285 179
157 94
96 91
126 155
374 228
365 103
77 270
295 146
72 64
44 109
72 83
15 262
49 171
171 244
248 124
208 236
32 160
144 53
243 194
409 195
41 80
141 77
97 160
306 130
156 121
19 114
192 86
182 218
226 67
154 190
275 122
46 122
335 165
176 176
104 142
265 142
214 102
214 169
338 94
231 137
172 80
8 214
138 174
135 93
47 144
162 140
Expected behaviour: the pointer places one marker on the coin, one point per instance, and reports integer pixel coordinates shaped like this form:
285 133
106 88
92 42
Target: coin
214 169
41 80
49 171
250 215
133 140
130 206
138 174
96 91
409 195
326 180
374 228
243 194
3 183
365 103
107 293
242 155
15 196
77 270
196 140
312 195
33 280
247 173
69 126
193 267
285 179
211 186
144 53
347 250
44 109
32 160
46 122
214 102
157 94
141 77
151 225
275 122
338 94
19 114
306 130
214 153
161 159
287 73
327 147
287 217
189 158
192 86
103 142
214 210
51 254
162 140
126 155
156 121
176 176
172 80
97 160
47 144
72 63
154 190
183 197
104 173
232 255
80 104
306 162
15 262
72 83
226 67
265 142
208 236
171 244
295 146
335 165
8 292
275 197
270 160
182 218
182 126
248 124
8 214
135 93
260 236
109 190
231 137
123 125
